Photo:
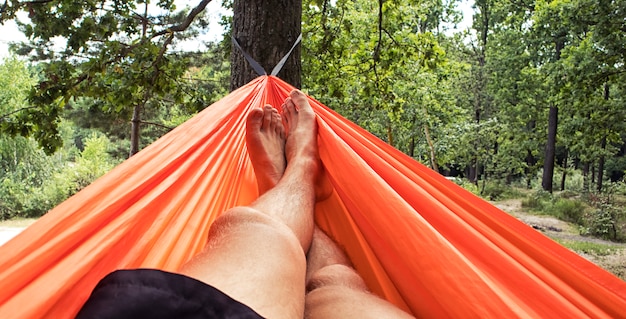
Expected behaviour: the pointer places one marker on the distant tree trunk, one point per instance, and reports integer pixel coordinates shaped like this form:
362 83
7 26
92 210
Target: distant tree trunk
564 171
553 119
135 123
593 174
530 159
412 146
602 145
548 162
482 26
431 146
586 176
601 164
389 135
530 171
266 29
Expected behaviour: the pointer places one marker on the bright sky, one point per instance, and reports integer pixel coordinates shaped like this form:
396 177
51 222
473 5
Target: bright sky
9 32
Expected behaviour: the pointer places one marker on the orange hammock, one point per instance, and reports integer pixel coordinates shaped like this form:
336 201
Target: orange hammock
420 241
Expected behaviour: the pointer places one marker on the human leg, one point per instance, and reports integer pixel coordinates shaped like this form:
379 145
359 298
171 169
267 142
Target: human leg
256 254
335 289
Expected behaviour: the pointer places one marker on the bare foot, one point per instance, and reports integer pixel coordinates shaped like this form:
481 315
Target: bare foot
301 126
265 139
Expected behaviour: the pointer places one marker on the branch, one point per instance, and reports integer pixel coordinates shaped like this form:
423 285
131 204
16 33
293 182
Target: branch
185 24
380 30
157 124
17 111
37 1
163 49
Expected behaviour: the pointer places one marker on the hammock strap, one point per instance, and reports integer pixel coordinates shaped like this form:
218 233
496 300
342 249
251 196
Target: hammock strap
257 67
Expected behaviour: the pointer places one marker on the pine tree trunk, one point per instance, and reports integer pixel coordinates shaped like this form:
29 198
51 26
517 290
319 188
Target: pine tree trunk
431 146
602 145
266 30
601 165
530 171
564 171
135 122
586 177
548 161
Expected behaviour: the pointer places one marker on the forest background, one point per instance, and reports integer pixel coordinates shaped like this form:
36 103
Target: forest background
527 102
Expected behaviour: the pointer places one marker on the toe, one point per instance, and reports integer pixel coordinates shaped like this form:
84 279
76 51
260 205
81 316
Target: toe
299 99
267 117
276 122
287 111
279 127
255 119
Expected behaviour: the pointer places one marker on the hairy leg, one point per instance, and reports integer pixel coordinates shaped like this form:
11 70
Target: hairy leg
335 289
256 254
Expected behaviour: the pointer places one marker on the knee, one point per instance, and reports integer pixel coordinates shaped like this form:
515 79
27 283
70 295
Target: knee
251 222
336 276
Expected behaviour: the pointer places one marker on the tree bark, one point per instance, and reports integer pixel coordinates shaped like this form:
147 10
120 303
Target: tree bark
553 115
602 145
586 176
564 171
431 146
601 164
266 30
548 162
135 123
530 168
389 135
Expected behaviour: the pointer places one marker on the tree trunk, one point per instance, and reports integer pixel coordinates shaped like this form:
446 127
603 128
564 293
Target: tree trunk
530 171
135 122
601 164
593 174
266 30
389 135
548 162
602 145
586 176
412 146
564 171
431 146
553 115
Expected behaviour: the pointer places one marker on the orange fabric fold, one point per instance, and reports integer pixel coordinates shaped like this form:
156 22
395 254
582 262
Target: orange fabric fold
419 241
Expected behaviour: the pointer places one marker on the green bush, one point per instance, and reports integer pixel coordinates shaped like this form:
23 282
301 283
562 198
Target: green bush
567 209
30 191
603 222
537 200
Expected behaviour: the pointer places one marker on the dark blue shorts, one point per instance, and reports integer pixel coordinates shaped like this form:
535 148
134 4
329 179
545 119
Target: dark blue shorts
150 293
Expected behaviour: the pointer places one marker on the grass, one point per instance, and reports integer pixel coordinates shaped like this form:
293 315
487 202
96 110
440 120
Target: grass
17 222
589 247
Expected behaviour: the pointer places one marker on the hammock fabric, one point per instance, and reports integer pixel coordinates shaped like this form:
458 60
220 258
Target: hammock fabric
420 241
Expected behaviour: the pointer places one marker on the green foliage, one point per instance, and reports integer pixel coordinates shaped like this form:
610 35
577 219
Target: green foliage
496 190
564 208
596 215
608 218
117 54
537 200
567 209
55 182
589 247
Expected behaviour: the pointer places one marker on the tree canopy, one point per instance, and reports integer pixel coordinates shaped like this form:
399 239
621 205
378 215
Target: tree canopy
532 88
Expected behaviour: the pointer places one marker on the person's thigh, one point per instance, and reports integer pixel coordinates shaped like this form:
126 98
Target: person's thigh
343 302
256 260
337 291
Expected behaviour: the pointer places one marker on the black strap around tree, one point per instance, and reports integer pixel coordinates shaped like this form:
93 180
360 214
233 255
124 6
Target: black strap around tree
258 68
